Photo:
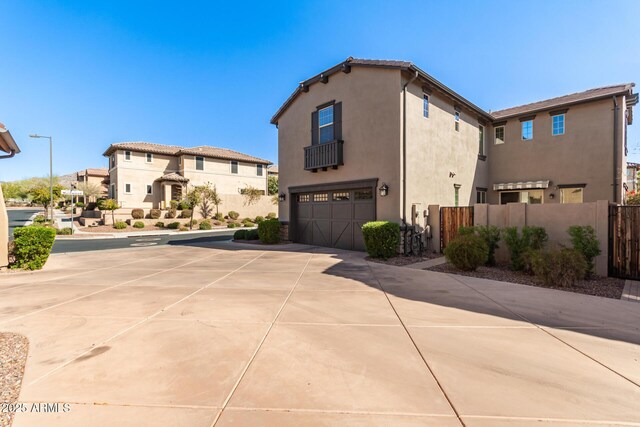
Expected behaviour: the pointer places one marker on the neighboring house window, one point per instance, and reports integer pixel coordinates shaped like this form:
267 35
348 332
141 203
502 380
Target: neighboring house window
499 133
527 130
456 117
199 163
234 166
149 189
481 140
534 197
127 188
571 195
325 124
557 124
259 170
425 105
112 191
127 156
481 196
149 158
113 160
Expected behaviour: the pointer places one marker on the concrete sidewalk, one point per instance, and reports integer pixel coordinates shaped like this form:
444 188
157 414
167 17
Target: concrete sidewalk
218 334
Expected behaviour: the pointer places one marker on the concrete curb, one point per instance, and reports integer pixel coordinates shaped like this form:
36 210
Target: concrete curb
144 234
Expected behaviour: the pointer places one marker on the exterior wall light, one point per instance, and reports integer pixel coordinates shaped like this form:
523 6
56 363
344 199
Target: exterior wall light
383 190
282 197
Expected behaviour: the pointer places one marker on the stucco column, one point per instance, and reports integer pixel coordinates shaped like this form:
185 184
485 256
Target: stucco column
166 191
434 223
602 233
516 215
4 233
481 214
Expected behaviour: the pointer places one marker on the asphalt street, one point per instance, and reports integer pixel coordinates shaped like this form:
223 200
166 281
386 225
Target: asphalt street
20 217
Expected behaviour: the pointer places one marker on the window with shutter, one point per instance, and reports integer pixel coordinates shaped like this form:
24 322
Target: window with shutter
325 124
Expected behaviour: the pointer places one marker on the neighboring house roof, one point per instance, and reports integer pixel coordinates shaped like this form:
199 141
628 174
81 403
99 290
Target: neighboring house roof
566 100
376 63
104 172
633 165
174 150
173 177
7 143
273 169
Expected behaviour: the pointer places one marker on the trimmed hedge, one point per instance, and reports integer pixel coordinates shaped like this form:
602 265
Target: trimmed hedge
186 213
269 231
259 219
171 213
137 213
32 246
240 235
272 215
252 234
381 238
64 231
559 267
138 224
233 215
205 224
120 225
160 224
219 216
155 213
467 252
173 225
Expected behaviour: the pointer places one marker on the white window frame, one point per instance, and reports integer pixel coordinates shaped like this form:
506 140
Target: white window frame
127 155
522 130
320 127
483 194
456 120
259 170
195 159
482 149
147 157
425 105
563 124
125 188
495 135
149 187
237 167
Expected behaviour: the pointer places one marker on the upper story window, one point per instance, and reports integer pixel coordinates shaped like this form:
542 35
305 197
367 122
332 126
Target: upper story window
499 134
127 156
149 158
527 130
234 166
127 188
199 163
259 170
425 105
456 118
113 160
481 195
557 122
325 124
481 140
149 189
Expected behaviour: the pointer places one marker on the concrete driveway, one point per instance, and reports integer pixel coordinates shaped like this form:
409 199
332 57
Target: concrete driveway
229 335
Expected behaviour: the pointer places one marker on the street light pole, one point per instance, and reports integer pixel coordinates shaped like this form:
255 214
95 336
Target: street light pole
50 172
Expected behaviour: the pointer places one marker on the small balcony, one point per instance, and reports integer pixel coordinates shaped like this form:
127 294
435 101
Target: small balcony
323 156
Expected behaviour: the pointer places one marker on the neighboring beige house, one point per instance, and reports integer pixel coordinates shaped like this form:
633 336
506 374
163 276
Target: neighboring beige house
146 175
632 177
94 176
273 170
8 146
372 139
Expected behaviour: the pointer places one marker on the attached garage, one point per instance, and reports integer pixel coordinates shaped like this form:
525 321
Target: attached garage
332 215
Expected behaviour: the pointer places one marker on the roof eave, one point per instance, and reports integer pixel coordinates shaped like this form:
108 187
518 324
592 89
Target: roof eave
9 145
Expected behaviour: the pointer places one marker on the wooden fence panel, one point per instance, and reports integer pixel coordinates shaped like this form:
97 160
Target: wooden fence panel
624 242
451 219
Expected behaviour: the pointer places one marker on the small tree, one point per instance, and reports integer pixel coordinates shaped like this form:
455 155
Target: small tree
109 205
272 184
89 190
251 195
208 197
41 195
192 199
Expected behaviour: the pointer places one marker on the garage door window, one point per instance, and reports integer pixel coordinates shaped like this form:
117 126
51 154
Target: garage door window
303 198
321 197
363 195
340 196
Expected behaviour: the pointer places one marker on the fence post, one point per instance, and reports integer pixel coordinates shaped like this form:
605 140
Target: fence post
516 215
481 214
434 223
602 233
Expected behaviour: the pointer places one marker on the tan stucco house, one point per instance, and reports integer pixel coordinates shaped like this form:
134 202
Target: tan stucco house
632 177
94 176
147 175
10 148
376 139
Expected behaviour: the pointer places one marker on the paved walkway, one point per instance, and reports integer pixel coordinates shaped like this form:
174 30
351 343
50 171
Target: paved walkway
631 291
224 335
428 263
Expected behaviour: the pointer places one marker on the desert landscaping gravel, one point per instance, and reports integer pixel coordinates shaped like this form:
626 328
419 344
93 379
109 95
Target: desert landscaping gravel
13 357
608 287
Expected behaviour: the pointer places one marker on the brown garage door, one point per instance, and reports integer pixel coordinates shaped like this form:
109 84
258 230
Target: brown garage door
333 218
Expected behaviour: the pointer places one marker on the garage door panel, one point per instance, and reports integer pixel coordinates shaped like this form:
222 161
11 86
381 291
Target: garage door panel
358 239
342 210
322 211
304 211
363 211
342 234
322 232
303 231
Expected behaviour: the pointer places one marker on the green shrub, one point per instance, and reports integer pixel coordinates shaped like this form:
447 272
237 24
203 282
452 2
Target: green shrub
584 240
218 216
533 238
252 234
246 223
559 267
39 219
182 205
491 236
272 215
120 225
137 213
160 224
233 215
138 224
240 235
173 204
193 222
467 252
80 204
259 219
64 231
269 231
171 213
184 228
173 225
186 213
155 213
205 225
232 225
31 246
381 238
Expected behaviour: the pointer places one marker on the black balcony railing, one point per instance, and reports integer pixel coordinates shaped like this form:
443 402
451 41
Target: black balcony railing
323 156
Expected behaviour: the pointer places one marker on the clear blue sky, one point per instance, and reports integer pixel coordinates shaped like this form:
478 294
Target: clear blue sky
91 73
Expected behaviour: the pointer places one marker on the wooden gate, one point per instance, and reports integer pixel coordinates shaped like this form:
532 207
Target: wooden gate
451 219
624 242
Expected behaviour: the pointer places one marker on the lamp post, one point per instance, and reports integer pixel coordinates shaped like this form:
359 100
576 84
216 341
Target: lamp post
50 171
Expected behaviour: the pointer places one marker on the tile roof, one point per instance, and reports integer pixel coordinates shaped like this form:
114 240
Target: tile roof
174 150
94 172
173 176
561 101
273 169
